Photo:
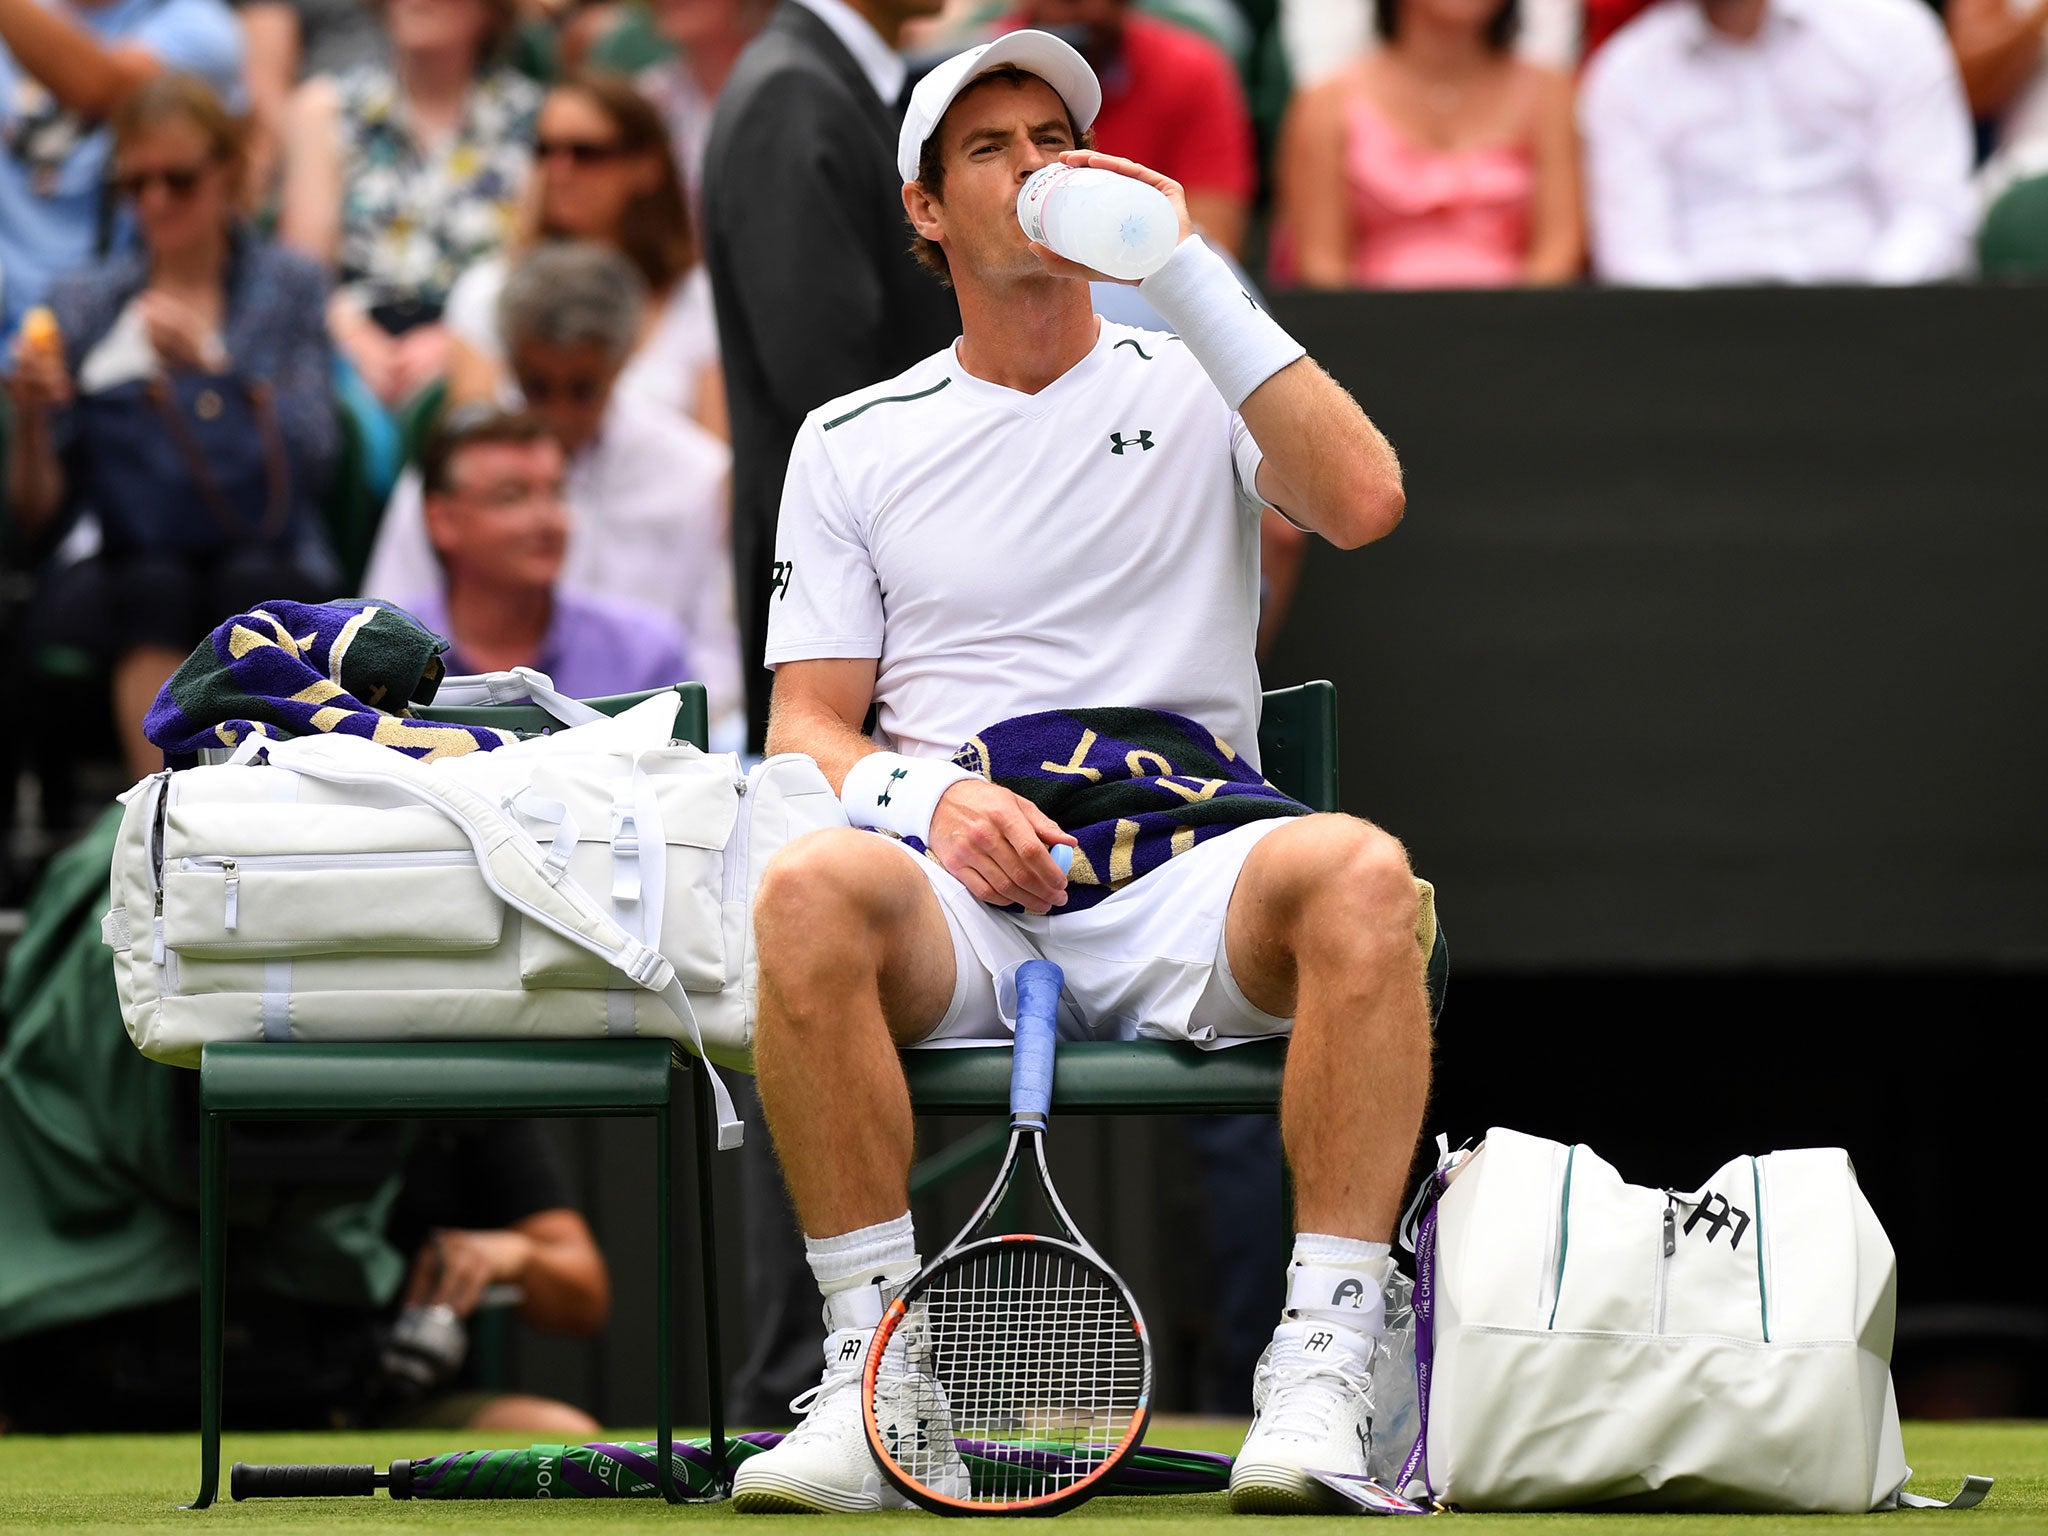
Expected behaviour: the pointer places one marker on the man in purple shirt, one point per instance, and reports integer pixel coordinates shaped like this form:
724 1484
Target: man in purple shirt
494 513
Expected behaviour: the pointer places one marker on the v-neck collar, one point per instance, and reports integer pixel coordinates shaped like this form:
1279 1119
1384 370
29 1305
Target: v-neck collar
1046 399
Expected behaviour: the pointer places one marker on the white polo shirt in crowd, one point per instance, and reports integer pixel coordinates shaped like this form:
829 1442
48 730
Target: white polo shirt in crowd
1833 147
999 553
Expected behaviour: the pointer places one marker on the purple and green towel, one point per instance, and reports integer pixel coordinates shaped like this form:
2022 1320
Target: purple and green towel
351 667
1135 787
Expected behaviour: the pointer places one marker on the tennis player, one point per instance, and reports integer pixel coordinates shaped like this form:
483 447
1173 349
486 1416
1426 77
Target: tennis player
1059 512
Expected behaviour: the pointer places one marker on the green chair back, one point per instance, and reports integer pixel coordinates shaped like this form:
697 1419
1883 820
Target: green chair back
692 719
1298 743
2013 241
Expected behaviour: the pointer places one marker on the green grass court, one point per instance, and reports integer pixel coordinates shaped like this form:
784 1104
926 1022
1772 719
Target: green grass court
134 1483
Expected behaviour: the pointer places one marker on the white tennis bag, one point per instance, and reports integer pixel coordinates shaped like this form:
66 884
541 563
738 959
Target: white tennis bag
1583 1342
597 881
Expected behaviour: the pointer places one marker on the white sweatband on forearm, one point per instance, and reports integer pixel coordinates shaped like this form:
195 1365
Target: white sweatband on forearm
1237 343
896 793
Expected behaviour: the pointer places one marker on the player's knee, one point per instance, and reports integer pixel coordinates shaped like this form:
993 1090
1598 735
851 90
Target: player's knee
1358 887
818 876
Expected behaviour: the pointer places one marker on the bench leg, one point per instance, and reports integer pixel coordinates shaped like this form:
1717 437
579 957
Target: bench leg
664 1322
707 1243
213 1174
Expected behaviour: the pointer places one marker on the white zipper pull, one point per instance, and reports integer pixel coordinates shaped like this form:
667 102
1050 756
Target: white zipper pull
233 887
156 952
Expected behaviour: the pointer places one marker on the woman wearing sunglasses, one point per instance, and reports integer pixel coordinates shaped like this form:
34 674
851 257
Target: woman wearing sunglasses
183 407
604 172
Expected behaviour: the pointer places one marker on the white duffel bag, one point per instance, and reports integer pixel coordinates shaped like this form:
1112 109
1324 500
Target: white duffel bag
596 881
1586 1343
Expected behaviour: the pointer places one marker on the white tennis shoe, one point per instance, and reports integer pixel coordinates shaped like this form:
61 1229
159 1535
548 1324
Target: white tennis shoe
1312 1408
823 1466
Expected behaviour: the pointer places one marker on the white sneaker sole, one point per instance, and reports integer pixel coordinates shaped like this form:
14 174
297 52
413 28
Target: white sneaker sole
1270 1488
763 1491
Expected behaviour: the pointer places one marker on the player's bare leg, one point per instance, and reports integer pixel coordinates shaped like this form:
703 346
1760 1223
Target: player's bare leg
855 959
1322 927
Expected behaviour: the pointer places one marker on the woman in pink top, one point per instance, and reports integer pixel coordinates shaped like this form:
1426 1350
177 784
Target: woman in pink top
1438 160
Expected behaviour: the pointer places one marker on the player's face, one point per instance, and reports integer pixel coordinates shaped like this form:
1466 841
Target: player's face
993 139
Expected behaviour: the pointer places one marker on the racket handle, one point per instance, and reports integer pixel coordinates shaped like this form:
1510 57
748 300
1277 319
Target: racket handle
300 1482
1038 1027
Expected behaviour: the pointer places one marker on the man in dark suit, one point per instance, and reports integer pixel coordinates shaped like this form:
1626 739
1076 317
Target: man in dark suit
817 295
808 250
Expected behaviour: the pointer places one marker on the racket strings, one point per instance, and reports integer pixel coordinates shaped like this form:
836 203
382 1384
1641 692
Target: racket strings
1024 1363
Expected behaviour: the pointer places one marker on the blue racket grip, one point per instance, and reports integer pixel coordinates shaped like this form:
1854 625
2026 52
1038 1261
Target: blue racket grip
1038 1029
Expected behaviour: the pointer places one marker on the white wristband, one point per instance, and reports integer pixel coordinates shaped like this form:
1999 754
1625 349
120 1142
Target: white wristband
896 793
1237 343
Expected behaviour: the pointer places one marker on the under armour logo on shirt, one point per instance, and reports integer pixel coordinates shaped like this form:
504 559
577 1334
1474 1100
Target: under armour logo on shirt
1143 442
883 797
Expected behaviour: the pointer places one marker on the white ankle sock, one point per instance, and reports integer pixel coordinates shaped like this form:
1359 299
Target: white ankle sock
852 1268
1339 1280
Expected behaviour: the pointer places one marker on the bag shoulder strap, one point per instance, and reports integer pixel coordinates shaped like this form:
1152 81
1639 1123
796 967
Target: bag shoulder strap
518 872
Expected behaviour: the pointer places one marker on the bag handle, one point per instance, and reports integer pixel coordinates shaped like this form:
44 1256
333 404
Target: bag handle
521 685
276 468
518 873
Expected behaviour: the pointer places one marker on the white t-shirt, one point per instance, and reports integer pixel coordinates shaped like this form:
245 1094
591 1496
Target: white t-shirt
999 553
665 369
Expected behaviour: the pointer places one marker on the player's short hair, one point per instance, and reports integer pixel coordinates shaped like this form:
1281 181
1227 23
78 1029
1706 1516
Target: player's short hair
931 164
573 293
468 428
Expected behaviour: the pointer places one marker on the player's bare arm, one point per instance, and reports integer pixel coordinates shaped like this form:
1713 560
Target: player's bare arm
1327 467
990 840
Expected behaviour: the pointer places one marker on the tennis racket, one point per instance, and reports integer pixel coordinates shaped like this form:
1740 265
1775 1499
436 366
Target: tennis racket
1013 1375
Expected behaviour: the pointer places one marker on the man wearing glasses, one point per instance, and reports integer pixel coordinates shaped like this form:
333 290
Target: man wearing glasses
65 67
494 514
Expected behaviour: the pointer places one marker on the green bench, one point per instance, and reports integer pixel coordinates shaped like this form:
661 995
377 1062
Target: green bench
1298 749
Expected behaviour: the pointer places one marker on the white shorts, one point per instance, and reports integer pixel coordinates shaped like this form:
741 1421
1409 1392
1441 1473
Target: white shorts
1148 963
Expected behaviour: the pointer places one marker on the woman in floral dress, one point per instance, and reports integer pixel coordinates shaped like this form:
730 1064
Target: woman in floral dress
401 176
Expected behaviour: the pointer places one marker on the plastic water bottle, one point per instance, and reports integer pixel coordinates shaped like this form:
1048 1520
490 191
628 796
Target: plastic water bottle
1111 223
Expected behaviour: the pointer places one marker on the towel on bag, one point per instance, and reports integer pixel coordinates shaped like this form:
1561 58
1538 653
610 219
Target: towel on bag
300 669
1135 787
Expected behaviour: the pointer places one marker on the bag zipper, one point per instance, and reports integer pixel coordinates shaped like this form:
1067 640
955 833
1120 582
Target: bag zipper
734 885
232 865
162 792
1763 1265
1665 1249
1561 1246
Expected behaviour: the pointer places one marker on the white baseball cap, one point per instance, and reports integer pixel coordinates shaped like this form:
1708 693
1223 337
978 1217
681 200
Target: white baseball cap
1036 53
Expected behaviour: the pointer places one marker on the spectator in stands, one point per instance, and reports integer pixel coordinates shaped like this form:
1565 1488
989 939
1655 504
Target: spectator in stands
646 490
206 303
1778 141
495 514
1437 160
66 67
812 279
1998 45
605 172
707 36
289 41
1170 100
401 176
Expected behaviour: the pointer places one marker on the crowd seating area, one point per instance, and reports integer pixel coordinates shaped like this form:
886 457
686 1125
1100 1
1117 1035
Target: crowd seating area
388 214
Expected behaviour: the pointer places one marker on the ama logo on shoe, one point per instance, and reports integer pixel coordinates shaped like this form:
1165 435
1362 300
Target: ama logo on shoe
1349 1294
